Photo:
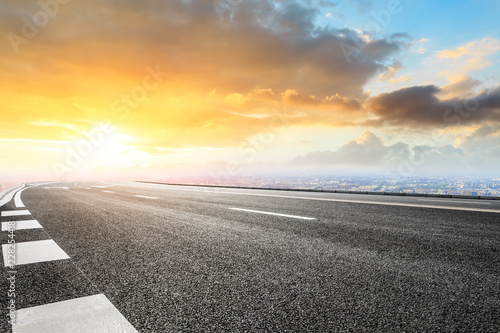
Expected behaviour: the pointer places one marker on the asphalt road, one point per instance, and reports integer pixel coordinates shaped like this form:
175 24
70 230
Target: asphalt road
189 259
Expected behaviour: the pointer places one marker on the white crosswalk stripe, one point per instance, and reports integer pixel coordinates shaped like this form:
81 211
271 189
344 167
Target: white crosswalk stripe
15 212
20 225
33 252
85 315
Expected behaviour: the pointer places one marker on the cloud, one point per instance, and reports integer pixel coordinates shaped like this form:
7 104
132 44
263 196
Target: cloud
391 71
332 103
259 45
419 106
93 53
403 159
484 139
367 149
388 76
465 59
461 86
480 48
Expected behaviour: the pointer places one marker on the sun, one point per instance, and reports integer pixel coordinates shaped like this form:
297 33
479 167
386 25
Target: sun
113 150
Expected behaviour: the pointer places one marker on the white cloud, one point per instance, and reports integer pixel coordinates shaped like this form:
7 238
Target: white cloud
479 151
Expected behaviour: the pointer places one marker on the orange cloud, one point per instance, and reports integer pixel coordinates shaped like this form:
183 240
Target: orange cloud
467 58
221 81
84 66
483 47
329 103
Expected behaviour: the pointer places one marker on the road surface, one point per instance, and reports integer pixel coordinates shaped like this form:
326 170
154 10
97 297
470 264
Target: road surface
126 257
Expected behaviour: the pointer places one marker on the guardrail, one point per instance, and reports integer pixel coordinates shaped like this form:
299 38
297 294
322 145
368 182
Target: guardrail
454 196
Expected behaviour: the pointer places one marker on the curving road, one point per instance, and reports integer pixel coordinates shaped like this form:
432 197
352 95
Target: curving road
155 258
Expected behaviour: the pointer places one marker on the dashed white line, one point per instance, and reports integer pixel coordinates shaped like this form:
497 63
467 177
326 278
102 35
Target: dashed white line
457 201
57 187
20 225
108 191
277 214
99 186
146 197
210 191
33 252
84 314
15 212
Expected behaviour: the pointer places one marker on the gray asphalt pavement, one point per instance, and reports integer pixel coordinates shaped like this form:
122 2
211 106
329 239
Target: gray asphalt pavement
190 259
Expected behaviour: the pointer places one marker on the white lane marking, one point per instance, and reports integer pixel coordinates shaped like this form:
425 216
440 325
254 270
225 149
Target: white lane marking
20 225
32 252
17 199
15 212
58 187
98 186
108 191
269 213
84 314
457 201
88 188
8 197
144 196
341 200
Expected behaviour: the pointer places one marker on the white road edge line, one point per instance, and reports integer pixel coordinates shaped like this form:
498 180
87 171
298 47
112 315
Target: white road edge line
341 200
15 212
93 313
8 197
108 191
144 196
456 201
17 199
270 213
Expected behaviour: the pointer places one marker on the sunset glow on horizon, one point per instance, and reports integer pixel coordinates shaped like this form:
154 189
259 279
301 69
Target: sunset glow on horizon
116 88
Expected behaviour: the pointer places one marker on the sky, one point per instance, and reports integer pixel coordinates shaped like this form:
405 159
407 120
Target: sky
144 89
